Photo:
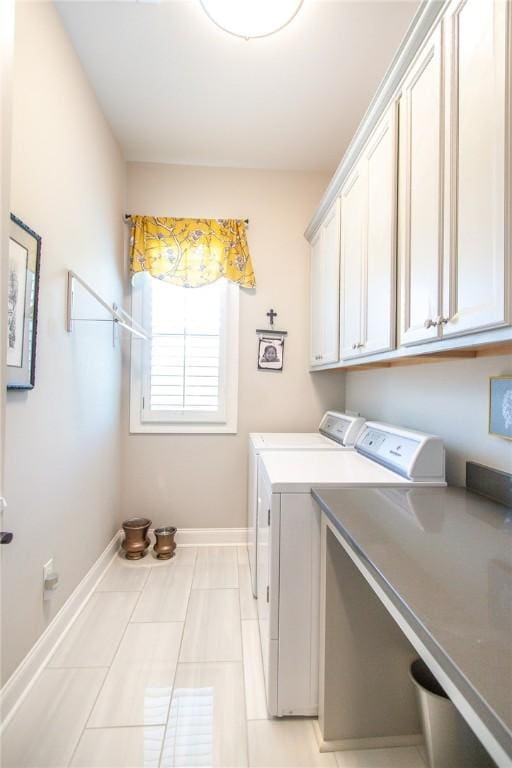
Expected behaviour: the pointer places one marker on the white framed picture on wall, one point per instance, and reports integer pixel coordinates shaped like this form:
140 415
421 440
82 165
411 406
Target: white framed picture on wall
270 353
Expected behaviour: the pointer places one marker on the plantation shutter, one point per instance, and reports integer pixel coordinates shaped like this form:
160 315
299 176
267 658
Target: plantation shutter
186 365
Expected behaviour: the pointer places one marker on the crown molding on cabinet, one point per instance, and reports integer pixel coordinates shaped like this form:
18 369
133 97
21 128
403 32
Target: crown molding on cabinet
421 25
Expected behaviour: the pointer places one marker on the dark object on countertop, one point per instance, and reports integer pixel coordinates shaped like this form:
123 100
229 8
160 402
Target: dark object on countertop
165 544
494 484
136 539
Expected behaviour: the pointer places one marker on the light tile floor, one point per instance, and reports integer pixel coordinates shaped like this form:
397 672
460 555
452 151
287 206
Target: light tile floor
162 669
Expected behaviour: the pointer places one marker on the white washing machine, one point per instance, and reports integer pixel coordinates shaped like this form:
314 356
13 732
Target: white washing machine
337 431
289 545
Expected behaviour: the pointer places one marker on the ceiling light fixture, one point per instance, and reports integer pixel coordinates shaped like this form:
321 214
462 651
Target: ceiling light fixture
251 18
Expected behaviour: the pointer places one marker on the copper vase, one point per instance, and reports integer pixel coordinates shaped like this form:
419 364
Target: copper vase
136 540
164 544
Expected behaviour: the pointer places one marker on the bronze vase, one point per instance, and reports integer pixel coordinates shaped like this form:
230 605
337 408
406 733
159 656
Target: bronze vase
136 540
164 544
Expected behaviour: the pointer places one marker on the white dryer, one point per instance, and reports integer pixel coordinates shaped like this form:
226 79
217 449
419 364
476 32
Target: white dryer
289 545
337 431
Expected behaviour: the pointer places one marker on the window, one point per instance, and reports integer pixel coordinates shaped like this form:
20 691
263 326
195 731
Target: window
185 378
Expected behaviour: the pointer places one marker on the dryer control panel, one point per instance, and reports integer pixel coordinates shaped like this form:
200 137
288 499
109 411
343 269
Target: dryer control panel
414 455
341 427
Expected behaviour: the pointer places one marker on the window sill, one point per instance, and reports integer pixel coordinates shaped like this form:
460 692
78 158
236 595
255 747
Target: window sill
183 429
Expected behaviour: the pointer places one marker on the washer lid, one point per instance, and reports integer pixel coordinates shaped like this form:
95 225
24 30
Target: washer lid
292 441
300 471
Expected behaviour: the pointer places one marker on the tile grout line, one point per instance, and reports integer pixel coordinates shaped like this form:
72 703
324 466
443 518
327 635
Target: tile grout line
260 660
243 666
174 566
422 757
141 592
158 621
214 661
120 727
49 665
79 739
251 596
235 563
207 589
160 754
77 666
104 679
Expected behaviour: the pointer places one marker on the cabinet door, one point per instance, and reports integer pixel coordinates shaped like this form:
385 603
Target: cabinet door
379 296
353 219
316 316
331 285
325 266
474 294
420 205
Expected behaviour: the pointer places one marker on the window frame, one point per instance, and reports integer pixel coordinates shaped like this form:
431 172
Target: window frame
142 420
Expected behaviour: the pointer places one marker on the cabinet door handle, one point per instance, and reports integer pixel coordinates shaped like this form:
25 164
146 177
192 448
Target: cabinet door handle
441 321
429 323
354 345
361 345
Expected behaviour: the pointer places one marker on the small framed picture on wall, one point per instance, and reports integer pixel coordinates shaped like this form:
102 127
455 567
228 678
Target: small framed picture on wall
270 353
500 406
22 296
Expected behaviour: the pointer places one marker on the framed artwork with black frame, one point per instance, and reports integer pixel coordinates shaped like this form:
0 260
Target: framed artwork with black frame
22 298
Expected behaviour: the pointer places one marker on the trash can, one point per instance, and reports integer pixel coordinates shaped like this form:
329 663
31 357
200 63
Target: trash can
450 742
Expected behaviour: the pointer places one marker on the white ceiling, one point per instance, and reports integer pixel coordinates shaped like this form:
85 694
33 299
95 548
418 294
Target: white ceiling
177 89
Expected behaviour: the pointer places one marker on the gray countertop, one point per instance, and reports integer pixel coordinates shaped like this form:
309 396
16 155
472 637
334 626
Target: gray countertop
443 556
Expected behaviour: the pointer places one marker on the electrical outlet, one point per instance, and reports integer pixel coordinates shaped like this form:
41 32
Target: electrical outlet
50 579
48 569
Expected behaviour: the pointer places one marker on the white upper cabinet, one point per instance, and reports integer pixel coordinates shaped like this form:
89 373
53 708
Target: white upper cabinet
368 246
353 217
325 275
421 195
425 195
474 285
379 266
453 174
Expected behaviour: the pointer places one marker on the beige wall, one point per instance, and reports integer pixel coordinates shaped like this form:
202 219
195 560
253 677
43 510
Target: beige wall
200 480
7 8
63 437
450 399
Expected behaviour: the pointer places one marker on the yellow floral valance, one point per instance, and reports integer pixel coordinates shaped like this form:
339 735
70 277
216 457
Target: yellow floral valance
191 252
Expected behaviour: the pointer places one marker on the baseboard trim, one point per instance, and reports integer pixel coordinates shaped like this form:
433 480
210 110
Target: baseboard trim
203 537
372 742
18 685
